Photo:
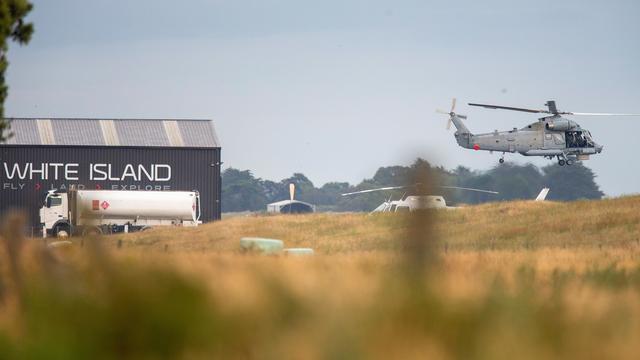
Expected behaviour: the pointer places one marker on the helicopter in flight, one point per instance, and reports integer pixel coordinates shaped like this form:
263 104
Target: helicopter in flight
552 136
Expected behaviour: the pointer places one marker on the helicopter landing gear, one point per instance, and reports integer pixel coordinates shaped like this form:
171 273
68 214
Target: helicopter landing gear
565 160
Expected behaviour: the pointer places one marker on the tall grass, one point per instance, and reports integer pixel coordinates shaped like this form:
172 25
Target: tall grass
499 281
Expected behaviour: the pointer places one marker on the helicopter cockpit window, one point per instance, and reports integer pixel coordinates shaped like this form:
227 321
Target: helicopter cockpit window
578 139
588 138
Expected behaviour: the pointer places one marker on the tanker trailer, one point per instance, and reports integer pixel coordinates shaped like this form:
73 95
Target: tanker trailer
79 212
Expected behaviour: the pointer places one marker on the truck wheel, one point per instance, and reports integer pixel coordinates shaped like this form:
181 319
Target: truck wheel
92 231
61 231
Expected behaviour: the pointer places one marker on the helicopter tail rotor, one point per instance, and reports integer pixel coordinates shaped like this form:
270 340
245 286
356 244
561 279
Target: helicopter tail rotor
451 113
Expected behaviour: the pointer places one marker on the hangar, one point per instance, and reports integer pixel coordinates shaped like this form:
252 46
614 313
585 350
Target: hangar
115 154
290 207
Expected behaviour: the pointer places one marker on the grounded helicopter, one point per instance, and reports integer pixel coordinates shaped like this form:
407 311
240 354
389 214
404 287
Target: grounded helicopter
552 136
421 202
414 202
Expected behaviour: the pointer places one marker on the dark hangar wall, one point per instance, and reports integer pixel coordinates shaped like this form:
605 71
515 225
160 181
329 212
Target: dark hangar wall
24 185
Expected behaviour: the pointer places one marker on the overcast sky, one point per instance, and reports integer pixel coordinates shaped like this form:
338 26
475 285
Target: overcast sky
335 89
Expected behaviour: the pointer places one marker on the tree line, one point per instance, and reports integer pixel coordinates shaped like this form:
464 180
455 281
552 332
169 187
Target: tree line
242 191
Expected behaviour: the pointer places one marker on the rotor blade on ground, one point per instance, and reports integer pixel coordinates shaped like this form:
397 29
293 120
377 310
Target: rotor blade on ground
598 114
469 189
377 189
509 108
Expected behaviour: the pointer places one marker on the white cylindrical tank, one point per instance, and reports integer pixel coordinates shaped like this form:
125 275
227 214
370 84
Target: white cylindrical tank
170 205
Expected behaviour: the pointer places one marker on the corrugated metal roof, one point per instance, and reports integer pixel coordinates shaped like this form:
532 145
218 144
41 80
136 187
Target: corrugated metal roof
114 132
24 132
72 132
197 133
287 202
139 133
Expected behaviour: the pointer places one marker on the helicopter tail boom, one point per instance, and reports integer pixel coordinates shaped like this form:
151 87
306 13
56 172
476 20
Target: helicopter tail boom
460 126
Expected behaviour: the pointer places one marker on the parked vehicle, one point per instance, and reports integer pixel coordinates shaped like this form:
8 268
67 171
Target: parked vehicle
81 212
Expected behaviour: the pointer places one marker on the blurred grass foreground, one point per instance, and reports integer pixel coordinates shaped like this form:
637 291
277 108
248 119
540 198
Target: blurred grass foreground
499 281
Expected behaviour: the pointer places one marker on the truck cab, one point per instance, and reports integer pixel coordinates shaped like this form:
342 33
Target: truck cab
54 215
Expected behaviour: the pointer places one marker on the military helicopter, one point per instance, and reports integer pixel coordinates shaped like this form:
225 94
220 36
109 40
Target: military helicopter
552 136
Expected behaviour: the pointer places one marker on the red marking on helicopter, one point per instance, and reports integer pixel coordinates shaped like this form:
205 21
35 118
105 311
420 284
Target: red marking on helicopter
476 147
38 186
104 205
98 187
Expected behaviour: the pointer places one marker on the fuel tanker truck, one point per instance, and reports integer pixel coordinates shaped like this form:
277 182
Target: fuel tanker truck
82 212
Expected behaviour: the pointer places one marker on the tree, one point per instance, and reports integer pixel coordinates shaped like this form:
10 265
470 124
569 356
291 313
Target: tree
12 27
571 182
241 191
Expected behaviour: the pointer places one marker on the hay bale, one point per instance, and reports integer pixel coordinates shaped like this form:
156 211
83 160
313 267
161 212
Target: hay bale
299 252
59 244
261 245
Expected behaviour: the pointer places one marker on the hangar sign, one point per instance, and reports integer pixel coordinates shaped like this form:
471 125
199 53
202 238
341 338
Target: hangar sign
96 172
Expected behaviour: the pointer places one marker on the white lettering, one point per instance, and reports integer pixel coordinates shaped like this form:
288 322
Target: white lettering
97 172
16 169
55 166
42 171
68 172
141 169
157 172
112 178
128 171
102 173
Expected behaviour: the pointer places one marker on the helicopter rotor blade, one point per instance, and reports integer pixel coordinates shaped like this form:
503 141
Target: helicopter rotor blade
488 106
469 189
451 113
374 190
598 114
415 186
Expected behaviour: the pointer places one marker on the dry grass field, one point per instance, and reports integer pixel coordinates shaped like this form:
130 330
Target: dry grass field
498 281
